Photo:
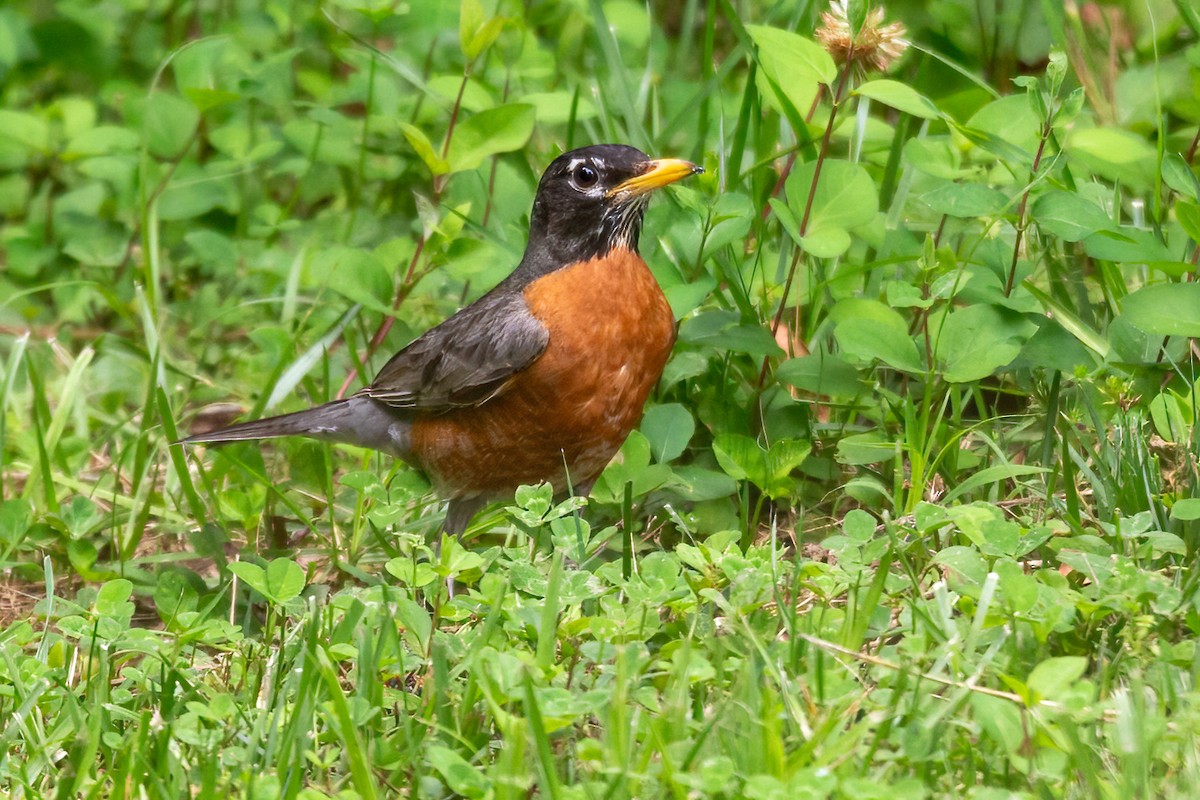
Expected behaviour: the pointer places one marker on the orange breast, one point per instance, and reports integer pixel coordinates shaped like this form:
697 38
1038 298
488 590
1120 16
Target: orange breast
611 332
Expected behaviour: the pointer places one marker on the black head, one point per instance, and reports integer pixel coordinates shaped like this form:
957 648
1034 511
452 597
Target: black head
591 201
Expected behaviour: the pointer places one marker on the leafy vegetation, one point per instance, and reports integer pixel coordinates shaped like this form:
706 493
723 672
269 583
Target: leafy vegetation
913 512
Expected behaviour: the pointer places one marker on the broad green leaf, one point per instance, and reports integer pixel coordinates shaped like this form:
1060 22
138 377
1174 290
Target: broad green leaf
1054 676
1179 176
668 428
253 575
205 99
112 598
633 466
1115 154
936 157
26 129
168 122
869 330
1171 416
795 64
784 456
826 242
284 580
901 97
698 484
845 198
100 141
1164 309
415 622
723 330
821 374
355 274
1068 216
741 457
963 564
865 448
411 573
1188 214
1006 127
497 130
965 200
975 341
1186 510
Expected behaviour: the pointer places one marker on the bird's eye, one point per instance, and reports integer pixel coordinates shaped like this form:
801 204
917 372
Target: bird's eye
584 176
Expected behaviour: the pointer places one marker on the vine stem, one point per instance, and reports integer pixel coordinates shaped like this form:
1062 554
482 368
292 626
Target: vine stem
1022 224
822 154
411 275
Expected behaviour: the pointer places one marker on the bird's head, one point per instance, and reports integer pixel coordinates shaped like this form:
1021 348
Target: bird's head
591 201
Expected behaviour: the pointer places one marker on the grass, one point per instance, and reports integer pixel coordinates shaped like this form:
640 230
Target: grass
912 513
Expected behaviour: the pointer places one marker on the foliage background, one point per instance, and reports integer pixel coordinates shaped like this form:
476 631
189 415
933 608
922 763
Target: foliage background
913 511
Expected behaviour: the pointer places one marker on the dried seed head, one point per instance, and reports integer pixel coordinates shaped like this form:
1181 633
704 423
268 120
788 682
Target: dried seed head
875 48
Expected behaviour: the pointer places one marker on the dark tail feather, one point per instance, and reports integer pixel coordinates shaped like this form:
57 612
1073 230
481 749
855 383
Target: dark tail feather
358 421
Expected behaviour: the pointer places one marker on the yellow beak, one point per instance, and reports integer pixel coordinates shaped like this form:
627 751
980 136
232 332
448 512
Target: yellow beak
658 174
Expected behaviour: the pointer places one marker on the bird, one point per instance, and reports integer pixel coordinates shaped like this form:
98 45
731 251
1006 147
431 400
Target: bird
542 378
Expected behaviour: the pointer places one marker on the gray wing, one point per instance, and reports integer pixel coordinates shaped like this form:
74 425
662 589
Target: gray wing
467 360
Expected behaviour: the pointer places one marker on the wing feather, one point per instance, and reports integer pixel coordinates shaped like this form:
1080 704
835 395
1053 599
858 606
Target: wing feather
466 361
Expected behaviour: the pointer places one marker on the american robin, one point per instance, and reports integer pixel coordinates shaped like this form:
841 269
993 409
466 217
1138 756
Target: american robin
543 377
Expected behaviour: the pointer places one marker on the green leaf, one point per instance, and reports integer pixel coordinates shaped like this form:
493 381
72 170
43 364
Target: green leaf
424 149
783 457
1006 127
476 31
1126 244
26 129
252 574
965 200
821 374
411 573
355 274
827 242
869 330
741 457
1115 154
1186 510
990 475
865 448
845 198
284 580
461 776
668 428
497 130
112 598
415 622
205 99
1179 176
1164 309
1054 676
1068 216
901 97
975 341
1188 215
793 63
722 330
168 124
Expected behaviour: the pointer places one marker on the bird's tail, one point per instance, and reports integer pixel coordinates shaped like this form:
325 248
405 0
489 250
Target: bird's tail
358 421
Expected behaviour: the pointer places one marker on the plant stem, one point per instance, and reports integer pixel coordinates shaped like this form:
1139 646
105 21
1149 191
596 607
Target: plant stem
410 275
1047 128
847 68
